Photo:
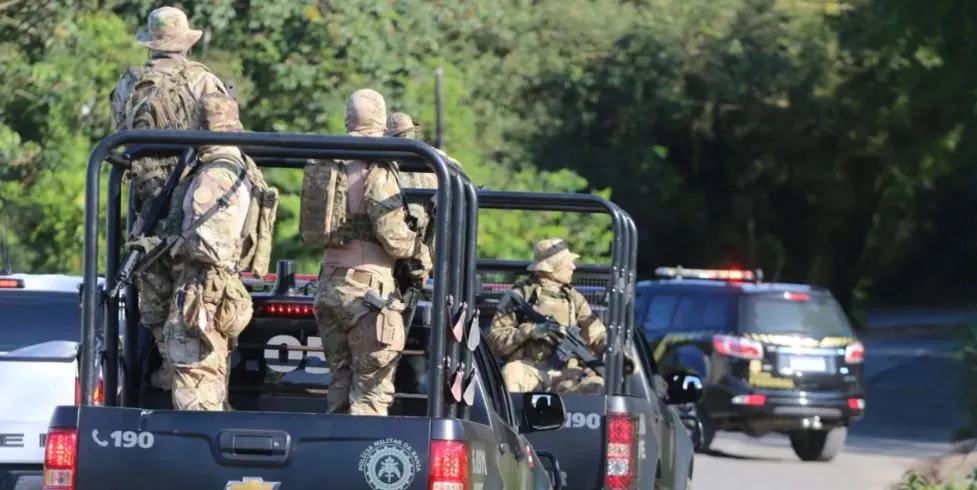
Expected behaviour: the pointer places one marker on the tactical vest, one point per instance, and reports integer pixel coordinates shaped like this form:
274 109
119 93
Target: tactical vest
257 234
558 304
325 219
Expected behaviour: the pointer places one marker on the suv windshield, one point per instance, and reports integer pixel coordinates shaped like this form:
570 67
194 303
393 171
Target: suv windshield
794 313
34 317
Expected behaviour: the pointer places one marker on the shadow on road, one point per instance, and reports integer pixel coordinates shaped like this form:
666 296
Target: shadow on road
916 400
717 453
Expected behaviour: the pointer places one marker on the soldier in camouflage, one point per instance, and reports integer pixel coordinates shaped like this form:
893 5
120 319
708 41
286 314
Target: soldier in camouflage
160 95
362 342
401 125
525 347
210 305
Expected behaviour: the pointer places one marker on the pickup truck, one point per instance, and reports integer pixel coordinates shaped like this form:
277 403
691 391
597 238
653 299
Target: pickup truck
39 340
631 436
462 432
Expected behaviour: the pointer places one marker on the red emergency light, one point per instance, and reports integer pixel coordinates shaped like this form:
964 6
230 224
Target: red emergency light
732 275
285 310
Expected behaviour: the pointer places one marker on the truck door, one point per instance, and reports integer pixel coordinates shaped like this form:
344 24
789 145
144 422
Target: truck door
514 459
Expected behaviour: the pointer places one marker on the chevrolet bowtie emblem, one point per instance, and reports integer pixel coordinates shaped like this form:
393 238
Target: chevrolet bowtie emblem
251 483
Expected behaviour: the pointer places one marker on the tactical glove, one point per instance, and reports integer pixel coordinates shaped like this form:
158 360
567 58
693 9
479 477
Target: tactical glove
423 256
143 243
547 332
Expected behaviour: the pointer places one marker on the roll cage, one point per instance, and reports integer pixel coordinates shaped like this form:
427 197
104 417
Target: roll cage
454 290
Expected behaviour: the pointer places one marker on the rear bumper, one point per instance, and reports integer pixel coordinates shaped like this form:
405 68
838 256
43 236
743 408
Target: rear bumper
21 476
761 411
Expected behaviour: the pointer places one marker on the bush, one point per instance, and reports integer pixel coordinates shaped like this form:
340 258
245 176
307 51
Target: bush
913 480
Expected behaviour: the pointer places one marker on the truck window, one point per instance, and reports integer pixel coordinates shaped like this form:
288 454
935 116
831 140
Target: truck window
794 313
33 317
493 382
658 315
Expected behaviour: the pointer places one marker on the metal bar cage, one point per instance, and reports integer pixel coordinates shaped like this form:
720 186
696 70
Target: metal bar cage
609 286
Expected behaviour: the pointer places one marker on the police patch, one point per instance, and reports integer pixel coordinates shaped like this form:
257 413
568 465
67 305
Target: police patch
389 464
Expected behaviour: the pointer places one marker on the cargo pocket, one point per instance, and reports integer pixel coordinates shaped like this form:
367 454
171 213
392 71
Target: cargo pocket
390 329
234 310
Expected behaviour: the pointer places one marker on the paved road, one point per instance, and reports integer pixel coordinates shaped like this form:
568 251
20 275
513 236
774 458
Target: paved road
911 413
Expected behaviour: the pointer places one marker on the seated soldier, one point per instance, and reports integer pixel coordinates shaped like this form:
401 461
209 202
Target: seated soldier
527 347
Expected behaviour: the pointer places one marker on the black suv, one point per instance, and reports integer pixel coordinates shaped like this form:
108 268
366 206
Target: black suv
774 357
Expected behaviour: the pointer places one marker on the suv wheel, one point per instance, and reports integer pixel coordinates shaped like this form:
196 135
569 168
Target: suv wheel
708 428
818 445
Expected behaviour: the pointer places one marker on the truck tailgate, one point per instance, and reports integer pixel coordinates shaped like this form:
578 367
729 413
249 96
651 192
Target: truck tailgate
579 445
164 449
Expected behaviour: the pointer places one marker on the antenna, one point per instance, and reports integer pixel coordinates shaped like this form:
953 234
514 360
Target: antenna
8 267
439 108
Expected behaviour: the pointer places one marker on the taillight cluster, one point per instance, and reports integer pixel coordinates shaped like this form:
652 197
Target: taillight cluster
97 397
60 459
728 345
855 353
287 310
621 451
449 465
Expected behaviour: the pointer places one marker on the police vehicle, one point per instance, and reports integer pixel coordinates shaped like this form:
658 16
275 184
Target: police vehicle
39 338
774 357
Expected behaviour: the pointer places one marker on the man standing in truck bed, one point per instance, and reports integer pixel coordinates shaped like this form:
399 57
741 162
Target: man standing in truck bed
526 347
364 232
160 94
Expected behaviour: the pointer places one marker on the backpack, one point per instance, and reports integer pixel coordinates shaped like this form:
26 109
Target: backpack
160 100
257 236
157 100
323 206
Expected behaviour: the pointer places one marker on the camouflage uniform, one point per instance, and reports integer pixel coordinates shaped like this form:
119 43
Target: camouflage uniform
524 348
363 345
401 125
169 38
210 304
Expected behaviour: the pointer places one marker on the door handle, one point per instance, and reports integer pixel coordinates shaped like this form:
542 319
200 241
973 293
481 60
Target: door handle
266 446
504 447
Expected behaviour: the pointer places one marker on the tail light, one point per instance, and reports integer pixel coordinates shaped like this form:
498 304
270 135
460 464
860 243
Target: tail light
621 451
752 400
855 353
449 466
856 403
728 345
287 310
60 459
97 397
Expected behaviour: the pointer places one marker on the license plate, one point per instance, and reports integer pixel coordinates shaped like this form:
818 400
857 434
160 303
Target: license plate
805 363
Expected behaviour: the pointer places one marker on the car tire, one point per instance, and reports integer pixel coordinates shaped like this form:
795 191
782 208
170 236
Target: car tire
818 445
708 428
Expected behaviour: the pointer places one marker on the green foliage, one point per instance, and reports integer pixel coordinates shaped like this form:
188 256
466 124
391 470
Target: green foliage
829 142
917 481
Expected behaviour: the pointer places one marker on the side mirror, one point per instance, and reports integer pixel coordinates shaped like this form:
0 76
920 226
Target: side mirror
683 388
542 411
552 465
694 426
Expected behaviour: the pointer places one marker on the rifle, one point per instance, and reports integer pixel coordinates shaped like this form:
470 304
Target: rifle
134 257
571 343
410 285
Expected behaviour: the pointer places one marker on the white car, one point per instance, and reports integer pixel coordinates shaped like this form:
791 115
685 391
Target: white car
40 333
